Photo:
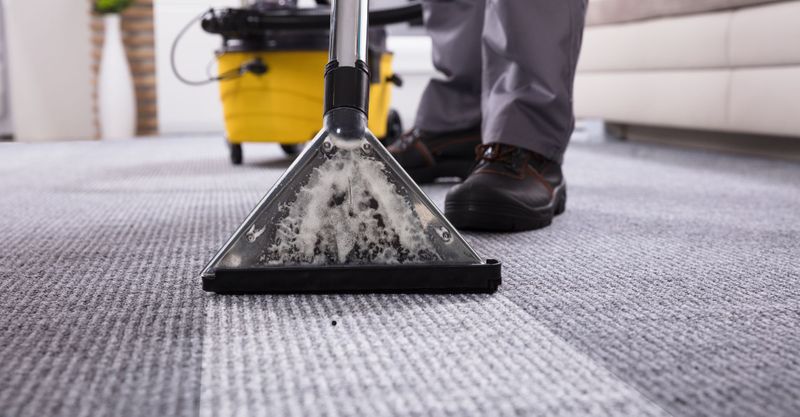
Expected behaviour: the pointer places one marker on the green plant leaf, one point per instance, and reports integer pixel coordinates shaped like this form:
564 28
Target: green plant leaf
111 6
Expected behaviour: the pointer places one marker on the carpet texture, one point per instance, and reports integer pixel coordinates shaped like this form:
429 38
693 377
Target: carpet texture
671 286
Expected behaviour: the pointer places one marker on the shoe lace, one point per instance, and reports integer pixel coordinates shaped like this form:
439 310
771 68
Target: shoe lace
493 152
406 139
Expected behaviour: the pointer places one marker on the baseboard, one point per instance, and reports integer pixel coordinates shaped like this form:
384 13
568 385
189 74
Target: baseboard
780 147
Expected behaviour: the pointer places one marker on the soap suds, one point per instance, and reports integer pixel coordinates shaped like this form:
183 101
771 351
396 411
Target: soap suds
348 212
254 233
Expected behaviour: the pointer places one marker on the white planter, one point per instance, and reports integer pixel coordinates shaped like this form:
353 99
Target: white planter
115 95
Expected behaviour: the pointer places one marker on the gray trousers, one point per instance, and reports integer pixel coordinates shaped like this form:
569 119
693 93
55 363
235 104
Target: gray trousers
509 66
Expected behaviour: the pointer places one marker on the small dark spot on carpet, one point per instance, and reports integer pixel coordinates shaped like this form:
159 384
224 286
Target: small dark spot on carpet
333 323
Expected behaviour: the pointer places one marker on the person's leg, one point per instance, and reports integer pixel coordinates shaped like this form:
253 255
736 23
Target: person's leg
530 50
454 101
447 127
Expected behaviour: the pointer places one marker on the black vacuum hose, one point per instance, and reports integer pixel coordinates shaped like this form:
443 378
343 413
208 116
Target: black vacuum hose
255 66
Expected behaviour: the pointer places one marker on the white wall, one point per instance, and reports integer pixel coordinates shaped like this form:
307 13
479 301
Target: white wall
186 109
183 108
412 61
49 54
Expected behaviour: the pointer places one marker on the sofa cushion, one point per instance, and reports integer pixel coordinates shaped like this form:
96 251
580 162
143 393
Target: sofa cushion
765 36
695 99
748 37
697 41
765 100
603 12
747 100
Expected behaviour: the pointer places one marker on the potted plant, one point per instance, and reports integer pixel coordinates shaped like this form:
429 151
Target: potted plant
115 93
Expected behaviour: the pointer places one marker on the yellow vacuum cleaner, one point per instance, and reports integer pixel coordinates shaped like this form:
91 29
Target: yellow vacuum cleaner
269 72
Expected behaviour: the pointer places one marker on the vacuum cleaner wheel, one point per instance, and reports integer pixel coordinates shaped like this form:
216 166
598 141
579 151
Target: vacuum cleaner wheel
236 153
293 149
394 127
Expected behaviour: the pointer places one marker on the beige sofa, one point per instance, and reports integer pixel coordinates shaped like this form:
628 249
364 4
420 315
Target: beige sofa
722 65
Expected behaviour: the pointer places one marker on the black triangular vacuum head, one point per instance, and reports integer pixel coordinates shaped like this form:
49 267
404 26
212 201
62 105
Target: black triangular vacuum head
345 217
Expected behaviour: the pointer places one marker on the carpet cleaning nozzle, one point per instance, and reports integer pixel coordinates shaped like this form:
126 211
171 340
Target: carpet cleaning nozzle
346 217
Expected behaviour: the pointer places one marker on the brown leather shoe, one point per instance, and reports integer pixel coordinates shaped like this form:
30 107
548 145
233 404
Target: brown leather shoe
427 156
510 189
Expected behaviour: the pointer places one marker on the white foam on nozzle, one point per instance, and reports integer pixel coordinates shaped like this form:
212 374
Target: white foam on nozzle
349 211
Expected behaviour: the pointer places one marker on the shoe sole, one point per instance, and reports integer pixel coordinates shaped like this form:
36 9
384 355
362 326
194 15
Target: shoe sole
445 168
489 216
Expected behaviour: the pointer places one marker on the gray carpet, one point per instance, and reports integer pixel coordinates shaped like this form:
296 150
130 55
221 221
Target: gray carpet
670 287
